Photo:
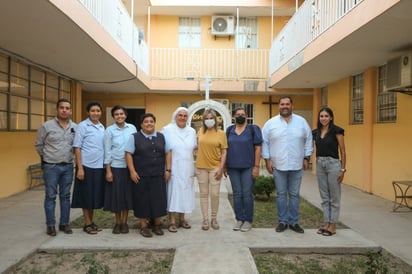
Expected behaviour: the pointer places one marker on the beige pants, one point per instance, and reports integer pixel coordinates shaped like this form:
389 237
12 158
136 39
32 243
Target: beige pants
207 183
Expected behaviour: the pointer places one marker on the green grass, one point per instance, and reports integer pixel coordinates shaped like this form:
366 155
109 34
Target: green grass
265 216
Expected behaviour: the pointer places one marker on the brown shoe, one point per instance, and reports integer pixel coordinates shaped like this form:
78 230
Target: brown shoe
66 229
145 232
116 229
157 229
124 228
51 231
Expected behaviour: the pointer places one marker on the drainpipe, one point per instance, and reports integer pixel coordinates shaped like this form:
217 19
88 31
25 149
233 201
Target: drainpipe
237 47
148 27
272 21
133 34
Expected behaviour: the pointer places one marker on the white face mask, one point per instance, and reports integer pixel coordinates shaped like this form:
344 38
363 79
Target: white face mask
209 123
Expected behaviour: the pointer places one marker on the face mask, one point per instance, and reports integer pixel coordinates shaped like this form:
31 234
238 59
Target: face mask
240 120
209 123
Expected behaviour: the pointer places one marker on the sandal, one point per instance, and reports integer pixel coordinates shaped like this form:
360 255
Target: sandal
328 233
172 228
89 229
321 230
145 232
157 229
185 224
95 227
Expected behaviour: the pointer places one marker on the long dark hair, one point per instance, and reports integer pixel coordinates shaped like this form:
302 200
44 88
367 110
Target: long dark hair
330 112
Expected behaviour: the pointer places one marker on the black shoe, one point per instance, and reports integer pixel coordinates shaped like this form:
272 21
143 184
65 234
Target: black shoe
66 229
281 227
116 229
51 230
157 229
297 228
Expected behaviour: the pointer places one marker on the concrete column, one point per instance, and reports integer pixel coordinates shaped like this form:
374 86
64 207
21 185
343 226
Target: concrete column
369 114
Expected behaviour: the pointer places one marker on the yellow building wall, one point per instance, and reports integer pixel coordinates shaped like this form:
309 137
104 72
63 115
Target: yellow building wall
392 150
17 153
165 30
378 153
163 105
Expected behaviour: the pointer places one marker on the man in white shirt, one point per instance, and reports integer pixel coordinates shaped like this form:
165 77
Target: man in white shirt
287 146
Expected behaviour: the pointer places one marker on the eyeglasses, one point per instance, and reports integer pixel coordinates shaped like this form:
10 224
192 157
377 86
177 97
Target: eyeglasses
182 115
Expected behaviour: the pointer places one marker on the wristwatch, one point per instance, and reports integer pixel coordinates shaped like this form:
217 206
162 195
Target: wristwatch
343 170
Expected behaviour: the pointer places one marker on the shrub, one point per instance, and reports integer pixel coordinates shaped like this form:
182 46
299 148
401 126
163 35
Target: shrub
264 185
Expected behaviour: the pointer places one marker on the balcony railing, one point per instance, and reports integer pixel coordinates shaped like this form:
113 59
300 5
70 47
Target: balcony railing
115 19
225 64
174 63
311 19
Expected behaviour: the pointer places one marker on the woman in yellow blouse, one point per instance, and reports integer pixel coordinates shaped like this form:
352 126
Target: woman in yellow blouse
211 158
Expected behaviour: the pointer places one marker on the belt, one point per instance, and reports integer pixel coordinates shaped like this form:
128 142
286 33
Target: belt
57 164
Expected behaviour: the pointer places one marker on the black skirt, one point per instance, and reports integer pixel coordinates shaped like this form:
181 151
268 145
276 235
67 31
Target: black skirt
149 197
118 194
89 193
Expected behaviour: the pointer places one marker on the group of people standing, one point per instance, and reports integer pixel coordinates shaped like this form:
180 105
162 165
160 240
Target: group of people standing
152 173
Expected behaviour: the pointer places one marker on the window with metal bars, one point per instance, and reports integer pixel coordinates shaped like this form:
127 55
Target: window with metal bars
386 101
357 99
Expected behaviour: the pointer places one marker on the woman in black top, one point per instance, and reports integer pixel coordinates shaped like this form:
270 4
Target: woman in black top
330 169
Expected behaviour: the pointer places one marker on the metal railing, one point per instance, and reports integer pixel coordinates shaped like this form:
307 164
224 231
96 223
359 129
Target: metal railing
311 19
176 63
115 19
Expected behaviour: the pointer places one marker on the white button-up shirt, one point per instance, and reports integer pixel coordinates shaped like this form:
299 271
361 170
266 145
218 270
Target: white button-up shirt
287 143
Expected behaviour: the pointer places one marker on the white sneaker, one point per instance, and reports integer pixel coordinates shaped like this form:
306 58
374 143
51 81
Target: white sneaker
246 226
237 225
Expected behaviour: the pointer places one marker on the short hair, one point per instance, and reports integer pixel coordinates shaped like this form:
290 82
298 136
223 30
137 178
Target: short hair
239 108
92 104
286 97
62 100
117 107
145 115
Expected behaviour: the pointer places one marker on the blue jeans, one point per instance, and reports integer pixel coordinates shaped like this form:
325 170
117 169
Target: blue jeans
242 185
288 193
57 179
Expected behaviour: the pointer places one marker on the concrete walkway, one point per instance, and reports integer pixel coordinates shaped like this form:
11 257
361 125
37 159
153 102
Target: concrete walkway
372 222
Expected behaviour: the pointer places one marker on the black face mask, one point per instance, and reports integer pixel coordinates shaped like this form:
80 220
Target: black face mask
240 120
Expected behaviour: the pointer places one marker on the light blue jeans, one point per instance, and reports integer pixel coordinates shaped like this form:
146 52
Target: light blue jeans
287 195
327 171
242 186
57 179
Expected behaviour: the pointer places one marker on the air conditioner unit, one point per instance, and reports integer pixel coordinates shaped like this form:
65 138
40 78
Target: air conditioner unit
223 25
399 73
224 102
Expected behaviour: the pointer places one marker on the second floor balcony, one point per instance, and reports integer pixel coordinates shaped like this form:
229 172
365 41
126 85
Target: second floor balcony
101 46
